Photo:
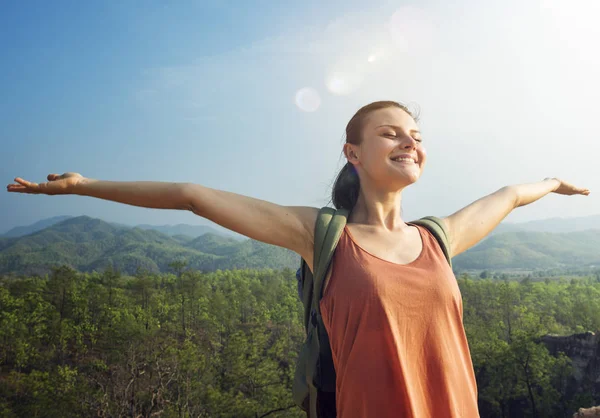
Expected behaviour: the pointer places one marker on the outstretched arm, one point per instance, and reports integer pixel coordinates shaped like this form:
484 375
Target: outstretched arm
291 227
471 224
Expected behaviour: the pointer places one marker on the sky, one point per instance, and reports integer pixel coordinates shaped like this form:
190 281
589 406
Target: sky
253 98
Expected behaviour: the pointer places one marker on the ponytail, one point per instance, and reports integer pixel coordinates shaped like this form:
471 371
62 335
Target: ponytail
346 188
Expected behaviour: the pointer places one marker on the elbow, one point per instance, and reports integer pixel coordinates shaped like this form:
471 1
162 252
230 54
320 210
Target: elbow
512 195
192 197
186 196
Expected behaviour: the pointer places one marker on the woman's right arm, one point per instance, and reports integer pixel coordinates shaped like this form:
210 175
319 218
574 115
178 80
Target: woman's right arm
291 227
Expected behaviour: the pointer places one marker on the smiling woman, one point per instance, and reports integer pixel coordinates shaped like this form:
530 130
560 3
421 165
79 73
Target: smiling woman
391 308
377 129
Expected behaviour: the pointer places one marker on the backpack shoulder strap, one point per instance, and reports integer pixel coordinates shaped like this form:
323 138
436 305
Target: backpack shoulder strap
438 229
308 289
328 230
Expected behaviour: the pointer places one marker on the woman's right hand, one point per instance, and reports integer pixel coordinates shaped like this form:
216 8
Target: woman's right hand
56 184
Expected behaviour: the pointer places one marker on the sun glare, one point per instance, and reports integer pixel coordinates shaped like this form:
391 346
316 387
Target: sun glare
342 83
308 99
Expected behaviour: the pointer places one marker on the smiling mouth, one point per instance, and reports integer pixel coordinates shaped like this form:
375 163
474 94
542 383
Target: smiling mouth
404 160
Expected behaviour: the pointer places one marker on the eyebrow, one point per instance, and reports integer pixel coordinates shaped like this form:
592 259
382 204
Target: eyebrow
398 127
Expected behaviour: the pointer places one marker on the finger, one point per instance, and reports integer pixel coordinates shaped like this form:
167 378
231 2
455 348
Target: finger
53 177
26 183
22 190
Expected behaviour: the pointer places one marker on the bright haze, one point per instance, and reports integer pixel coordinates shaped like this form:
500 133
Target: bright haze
253 97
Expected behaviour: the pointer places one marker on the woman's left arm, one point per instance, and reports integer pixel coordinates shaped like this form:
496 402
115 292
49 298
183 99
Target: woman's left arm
471 224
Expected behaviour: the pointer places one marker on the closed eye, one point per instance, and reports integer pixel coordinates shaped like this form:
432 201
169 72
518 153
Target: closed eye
393 135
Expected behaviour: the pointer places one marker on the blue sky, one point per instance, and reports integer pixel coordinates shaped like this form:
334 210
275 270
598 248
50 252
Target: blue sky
206 92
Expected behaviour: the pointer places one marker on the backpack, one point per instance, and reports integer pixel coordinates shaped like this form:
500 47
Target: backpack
313 389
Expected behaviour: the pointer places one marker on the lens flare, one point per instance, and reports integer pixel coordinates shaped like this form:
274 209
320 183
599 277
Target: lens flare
308 99
342 83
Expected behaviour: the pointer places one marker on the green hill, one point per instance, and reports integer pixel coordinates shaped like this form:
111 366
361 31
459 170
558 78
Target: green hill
89 244
191 230
215 244
533 250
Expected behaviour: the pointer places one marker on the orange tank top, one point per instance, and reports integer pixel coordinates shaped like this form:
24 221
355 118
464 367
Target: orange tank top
397 337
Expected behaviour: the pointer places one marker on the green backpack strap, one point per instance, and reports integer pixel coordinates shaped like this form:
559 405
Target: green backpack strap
332 222
328 230
438 229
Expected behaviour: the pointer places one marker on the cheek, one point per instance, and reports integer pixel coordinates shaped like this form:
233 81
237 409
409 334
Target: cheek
422 154
373 154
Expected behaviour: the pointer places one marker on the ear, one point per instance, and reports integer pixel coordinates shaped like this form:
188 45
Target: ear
351 153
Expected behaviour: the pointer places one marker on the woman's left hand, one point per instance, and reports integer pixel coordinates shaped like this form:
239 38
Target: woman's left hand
568 189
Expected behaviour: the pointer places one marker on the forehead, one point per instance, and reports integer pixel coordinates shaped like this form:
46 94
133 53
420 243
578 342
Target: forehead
390 116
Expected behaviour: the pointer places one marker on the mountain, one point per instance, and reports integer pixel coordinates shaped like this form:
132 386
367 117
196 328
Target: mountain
525 249
92 244
89 244
558 225
552 225
555 225
190 230
20 231
505 227
214 244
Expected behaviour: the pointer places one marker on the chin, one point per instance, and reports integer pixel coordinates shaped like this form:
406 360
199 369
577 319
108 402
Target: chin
414 181
398 180
409 178
405 181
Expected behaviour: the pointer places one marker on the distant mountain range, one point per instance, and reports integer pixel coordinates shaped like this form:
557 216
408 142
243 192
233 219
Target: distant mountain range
533 250
20 231
91 244
171 230
553 225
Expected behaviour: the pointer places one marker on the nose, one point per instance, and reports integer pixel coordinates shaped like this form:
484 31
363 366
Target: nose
408 142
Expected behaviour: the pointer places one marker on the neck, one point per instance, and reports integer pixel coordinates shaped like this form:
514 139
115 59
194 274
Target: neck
377 208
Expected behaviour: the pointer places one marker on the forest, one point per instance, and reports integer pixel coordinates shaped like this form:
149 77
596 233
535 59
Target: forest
187 343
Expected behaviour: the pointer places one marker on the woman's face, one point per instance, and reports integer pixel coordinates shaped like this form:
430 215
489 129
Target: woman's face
391 154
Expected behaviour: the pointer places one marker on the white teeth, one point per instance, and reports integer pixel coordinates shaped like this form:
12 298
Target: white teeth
404 159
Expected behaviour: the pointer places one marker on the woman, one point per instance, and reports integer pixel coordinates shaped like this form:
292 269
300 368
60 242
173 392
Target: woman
392 307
